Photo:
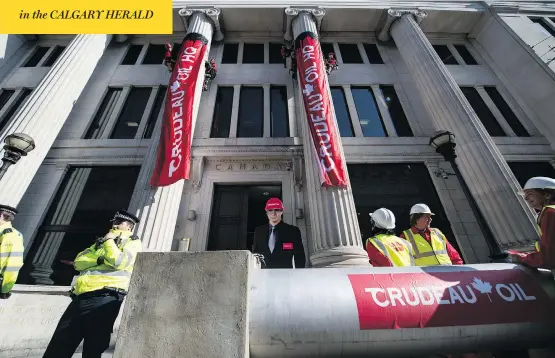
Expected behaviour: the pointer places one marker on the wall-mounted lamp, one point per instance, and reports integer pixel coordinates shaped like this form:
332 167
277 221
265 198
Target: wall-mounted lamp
192 215
184 244
299 213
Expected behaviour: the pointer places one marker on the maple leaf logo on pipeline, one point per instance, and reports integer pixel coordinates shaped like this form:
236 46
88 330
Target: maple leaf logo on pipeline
457 294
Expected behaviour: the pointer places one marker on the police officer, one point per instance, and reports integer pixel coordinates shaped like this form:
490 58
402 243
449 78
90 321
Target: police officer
104 273
384 248
429 245
11 251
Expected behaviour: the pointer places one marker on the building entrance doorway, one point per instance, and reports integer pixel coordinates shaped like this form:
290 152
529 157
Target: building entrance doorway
236 212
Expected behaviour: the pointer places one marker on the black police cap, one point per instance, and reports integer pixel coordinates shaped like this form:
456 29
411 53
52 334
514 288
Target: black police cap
8 209
126 216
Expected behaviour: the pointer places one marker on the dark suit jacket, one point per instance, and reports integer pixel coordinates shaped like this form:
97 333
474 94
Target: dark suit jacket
288 244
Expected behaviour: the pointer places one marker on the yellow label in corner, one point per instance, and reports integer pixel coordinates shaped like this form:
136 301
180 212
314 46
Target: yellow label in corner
86 17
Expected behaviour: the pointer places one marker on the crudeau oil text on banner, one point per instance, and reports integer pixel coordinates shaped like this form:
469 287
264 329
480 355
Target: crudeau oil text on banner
319 111
442 299
173 162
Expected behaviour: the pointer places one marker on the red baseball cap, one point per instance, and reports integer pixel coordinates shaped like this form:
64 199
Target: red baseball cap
274 203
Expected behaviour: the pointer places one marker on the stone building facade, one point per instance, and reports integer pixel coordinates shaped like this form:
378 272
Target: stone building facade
93 104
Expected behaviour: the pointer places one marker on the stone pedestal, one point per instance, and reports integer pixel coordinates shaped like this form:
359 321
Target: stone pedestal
187 305
158 207
336 239
484 169
47 108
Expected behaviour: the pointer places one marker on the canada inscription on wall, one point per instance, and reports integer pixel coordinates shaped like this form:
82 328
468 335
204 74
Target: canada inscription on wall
249 166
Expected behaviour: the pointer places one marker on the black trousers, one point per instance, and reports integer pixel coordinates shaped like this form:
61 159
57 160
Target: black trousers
90 319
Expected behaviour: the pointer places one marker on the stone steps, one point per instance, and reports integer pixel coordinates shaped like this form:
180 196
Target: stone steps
79 355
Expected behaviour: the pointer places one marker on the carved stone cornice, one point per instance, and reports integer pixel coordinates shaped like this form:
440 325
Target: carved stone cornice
395 14
213 14
292 12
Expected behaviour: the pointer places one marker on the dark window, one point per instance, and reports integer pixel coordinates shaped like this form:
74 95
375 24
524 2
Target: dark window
154 55
546 28
231 52
36 57
80 212
175 50
350 53
488 119
279 118
104 112
445 54
222 113
54 56
506 111
15 106
5 96
253 53
131 114
396 111
132 55
342 112
154 114
396 187
373 53
526 170
465 54
368 113
326 49
275 53
251 112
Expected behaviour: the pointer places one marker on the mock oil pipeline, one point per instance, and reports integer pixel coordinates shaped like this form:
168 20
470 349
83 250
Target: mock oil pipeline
399 311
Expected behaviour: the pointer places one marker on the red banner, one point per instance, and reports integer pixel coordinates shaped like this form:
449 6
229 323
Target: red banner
319 111
174 150
440 299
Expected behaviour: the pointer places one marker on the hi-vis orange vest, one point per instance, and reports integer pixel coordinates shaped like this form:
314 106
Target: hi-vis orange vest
429 253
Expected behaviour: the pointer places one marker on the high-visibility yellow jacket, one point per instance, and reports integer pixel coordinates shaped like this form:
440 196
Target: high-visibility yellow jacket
397 250
429 253
116 267
11 255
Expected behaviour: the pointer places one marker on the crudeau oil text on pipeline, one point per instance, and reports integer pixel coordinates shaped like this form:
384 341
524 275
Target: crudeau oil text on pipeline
101 14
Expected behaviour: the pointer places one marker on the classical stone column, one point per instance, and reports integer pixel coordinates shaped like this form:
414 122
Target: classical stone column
336 239
484 169
47 108
48 249
158 207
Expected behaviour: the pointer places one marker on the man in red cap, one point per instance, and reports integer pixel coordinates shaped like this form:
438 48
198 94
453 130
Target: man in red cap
277 241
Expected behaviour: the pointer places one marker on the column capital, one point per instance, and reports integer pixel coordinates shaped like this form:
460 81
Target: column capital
395 14
292 12
213 14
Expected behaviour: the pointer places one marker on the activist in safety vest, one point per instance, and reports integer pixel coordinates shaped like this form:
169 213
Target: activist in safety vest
429 253
537 244
109 264
397 250
11 256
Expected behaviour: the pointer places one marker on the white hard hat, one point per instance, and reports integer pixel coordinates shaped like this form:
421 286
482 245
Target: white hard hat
383 218
539 183
420 209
